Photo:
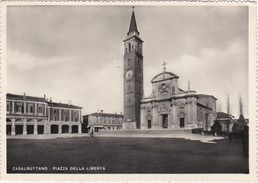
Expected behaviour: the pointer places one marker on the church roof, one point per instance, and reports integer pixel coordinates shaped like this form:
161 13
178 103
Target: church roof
164 76
133 25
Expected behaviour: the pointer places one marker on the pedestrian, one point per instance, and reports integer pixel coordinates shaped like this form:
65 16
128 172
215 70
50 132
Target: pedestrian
91 131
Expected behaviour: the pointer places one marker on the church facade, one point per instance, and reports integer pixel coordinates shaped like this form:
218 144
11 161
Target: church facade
168 106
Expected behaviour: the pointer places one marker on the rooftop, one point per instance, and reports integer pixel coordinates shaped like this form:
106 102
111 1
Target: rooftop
106 115
54 104
25 97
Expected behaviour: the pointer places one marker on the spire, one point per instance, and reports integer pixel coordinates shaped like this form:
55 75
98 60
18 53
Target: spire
133 25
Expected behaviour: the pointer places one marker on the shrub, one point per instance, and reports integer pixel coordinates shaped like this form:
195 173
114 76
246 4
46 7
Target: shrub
197 130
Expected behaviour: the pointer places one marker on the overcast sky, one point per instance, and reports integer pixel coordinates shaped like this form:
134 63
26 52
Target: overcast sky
76 53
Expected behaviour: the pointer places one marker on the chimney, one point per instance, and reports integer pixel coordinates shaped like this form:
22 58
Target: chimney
24 95
50 99
101 111
45 96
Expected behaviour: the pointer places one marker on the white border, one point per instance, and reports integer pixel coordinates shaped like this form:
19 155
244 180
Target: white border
137 177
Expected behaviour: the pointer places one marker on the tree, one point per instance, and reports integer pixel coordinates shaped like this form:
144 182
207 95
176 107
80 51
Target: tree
228 104
241 110
239 125
216 127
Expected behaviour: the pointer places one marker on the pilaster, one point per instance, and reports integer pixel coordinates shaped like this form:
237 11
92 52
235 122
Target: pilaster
35 132
24 127
12 126
79 128
59 129
70 129
24 108
60 119
12 108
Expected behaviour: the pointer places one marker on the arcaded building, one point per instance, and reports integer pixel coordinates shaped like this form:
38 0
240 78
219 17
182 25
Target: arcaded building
170 107
37 115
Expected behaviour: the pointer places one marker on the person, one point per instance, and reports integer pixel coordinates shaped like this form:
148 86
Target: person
245 141
91 131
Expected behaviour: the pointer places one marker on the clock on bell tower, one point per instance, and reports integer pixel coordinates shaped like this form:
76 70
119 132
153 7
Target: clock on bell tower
133 76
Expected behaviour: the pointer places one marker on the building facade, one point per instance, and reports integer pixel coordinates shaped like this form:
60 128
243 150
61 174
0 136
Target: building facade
133 76
169 107
226 121
102 121
37 115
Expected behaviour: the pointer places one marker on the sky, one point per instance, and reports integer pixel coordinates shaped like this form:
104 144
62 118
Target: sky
76 52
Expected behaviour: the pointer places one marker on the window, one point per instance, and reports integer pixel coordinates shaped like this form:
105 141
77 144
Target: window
8 107
129 45
19 108
31 109
40 110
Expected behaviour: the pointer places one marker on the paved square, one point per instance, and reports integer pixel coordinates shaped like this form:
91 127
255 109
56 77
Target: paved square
125 155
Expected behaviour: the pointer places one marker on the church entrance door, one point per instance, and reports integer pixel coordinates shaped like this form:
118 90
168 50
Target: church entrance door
182 122
164 121
149 124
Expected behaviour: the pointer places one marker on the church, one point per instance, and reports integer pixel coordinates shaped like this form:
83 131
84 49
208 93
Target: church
168 106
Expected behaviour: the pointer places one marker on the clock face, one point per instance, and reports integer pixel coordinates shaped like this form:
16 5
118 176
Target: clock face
129 75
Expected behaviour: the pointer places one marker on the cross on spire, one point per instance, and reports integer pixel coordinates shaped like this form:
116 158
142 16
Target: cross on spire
164 66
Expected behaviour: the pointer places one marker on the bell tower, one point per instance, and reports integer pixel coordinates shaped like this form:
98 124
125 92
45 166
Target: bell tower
133 76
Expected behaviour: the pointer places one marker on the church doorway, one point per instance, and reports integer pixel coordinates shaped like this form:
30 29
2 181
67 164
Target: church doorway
149 124
164 121
182 122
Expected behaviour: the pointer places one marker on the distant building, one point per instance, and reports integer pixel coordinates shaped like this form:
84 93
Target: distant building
102 121
226 121
37 115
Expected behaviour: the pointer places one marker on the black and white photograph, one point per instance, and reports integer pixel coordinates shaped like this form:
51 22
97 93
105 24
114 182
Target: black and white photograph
128 89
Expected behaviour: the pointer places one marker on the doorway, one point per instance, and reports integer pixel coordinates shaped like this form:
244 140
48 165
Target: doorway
182 122
18 129
54 129
164 121
8 129
30 129
74 129
149 124
40 129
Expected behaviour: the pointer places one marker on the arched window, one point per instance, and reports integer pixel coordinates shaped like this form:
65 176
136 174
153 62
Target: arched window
129 45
